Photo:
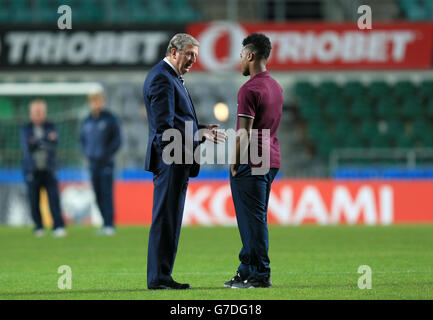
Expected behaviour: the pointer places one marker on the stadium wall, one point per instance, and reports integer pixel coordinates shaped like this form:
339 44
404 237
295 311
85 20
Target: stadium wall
209 203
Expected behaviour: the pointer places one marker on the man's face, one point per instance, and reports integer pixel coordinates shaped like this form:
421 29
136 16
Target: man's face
96 103
38 112
183 60
245 62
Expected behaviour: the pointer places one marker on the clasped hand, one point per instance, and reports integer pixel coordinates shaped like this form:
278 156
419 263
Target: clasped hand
214 135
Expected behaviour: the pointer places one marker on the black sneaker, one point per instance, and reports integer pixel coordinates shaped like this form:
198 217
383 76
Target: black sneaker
252 283
236 279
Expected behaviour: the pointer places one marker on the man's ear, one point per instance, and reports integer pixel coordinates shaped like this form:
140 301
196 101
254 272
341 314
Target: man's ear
250 56
173 52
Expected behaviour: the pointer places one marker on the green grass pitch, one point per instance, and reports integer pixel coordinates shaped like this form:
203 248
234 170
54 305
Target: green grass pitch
308 262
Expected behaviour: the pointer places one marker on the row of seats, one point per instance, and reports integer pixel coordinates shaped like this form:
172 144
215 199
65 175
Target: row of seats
377 115
98 11
374 90
417 10
385 108
404 100
368 135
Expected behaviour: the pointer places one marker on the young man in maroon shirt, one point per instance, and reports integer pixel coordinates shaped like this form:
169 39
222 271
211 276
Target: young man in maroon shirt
260 102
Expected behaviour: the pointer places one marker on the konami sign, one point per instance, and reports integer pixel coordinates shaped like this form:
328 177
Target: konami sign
319 46
292 202
209 205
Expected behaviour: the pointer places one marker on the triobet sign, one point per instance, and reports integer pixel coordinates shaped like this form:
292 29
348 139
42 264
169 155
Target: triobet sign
71 49
318 46
292 202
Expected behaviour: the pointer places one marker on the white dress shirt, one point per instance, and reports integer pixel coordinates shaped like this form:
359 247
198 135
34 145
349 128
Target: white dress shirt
172 66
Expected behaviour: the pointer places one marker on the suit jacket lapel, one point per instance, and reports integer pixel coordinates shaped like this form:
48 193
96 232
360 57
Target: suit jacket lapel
172 72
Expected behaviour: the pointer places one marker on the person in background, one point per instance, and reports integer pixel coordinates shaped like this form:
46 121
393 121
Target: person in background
38 143
100 139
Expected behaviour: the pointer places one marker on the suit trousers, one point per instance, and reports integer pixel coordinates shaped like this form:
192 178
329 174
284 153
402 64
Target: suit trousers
250 197
102 182
170 186
48 180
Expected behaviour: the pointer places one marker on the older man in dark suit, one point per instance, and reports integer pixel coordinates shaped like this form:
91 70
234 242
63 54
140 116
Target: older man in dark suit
169 106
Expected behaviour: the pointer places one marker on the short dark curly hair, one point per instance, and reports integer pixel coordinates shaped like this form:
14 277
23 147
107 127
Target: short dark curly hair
259 44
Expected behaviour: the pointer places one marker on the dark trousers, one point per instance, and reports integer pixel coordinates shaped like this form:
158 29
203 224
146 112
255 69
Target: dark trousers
250 197
170 184
102 182
48 180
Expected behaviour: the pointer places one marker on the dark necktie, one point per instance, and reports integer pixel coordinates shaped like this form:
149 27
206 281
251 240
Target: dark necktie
191 106
183 82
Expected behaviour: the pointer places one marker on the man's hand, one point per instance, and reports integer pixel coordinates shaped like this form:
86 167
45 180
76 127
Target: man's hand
233 169
212 134
52 136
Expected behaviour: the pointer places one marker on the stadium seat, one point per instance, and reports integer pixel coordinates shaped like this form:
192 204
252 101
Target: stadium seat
361 108
328 89
378 89
368 130
352 140
43 11
184 11
304 89
317 129
380 141
137 11
386 107
426 140
4 12
87 11
421 128
429 108
412 109
19 11
341 128
417 10
113 13
343 134
404 90
335 109
354 90
324 145
426 89
405 141
310 110
158 11
394 127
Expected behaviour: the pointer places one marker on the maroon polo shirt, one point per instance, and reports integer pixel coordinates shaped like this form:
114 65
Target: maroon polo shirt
261 98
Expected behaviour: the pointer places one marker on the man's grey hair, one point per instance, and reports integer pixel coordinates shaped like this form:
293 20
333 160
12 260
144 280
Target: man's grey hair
180 41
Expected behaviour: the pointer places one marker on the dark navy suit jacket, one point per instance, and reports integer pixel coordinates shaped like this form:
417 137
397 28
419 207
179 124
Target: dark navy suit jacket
29 145
168 105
